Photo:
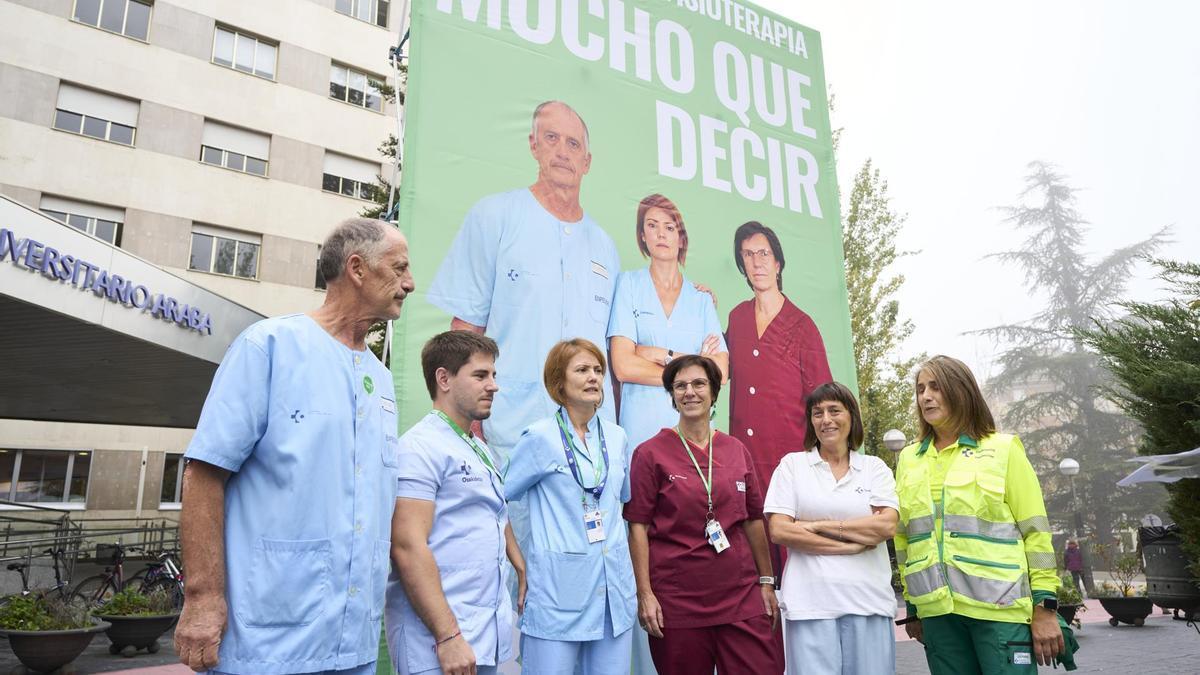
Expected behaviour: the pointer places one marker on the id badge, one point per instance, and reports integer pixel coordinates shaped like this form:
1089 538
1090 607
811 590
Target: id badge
716 536
593 524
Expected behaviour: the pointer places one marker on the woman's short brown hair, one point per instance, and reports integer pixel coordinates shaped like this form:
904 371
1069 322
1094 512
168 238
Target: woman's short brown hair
657 201
555 373
840 393
711 369
969 413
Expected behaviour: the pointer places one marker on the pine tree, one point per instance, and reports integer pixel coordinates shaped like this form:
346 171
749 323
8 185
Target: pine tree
1064 417
1154 354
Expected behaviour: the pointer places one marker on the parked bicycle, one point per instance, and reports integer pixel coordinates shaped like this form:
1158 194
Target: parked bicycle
61 586
99 589
164 575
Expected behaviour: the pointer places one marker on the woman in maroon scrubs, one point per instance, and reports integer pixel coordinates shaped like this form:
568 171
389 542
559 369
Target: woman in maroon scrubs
706 589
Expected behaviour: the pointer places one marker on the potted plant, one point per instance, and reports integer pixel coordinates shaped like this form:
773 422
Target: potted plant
1070 601
1124 602
137 620
47 633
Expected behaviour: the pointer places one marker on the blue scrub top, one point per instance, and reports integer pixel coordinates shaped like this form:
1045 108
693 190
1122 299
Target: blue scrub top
638 315
467 541
570 580
532 280
308 428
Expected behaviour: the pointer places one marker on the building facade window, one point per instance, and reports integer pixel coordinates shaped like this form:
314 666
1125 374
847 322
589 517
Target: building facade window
171 493
350 176
234 148
219 251
130 18
351 86
102 222
45 476
243 52
371 11
92 113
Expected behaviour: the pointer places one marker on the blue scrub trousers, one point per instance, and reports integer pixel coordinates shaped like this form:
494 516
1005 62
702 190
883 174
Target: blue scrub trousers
607 656
479 670
847 645
365 669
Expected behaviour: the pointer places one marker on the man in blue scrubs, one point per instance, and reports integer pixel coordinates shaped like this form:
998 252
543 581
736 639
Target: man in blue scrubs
447 608
291 479
529 268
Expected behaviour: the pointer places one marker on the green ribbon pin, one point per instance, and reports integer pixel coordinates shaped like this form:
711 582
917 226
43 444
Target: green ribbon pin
368 384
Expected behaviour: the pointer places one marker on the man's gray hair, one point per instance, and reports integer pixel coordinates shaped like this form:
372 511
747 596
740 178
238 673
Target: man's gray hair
365 236
587 141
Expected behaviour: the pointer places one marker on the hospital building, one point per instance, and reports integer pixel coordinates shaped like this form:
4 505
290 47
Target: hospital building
168 169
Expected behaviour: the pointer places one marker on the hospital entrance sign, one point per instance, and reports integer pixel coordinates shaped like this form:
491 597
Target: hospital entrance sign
64 268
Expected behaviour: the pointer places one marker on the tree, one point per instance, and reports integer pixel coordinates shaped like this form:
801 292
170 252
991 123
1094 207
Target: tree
387 149
1063 417
1154 355
869 246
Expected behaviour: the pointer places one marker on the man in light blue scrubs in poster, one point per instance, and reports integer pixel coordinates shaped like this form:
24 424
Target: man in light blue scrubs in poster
291 479
529 268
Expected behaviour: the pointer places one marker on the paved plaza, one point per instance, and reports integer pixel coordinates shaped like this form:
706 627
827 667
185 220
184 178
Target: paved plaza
1162 647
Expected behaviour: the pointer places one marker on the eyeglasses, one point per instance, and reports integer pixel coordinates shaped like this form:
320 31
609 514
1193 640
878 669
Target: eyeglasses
761 254
700 386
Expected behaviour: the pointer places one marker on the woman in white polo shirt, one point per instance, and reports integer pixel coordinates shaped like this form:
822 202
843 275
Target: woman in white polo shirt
834 509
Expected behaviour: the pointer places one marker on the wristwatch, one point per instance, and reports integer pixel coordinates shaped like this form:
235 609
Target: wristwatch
767 580
670 355
1050 604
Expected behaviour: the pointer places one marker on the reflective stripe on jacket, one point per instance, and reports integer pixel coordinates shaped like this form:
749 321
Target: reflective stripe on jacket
989 548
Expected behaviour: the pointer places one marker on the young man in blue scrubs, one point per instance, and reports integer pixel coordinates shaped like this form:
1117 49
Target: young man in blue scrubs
291 479
447 607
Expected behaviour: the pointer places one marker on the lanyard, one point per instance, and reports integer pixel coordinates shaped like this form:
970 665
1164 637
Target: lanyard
479 452
570 450
708 485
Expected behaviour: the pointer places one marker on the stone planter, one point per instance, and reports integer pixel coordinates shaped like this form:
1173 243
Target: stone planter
128 634
48 650
1131 610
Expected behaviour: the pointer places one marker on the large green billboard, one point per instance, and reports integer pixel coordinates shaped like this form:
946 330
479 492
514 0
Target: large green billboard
717 106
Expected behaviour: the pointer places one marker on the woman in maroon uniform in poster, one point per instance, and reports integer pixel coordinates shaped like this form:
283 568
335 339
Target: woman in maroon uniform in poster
776 358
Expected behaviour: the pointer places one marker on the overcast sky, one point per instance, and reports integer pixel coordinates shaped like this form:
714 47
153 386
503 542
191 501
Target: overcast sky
952 100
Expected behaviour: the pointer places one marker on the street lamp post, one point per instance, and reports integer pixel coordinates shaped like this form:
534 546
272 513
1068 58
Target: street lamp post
894 440
1070 468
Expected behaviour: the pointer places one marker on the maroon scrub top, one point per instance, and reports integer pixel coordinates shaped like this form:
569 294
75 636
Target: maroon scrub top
695 585
769 379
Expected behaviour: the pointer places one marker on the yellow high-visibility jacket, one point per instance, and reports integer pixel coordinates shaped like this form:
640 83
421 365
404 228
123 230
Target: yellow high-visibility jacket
983 550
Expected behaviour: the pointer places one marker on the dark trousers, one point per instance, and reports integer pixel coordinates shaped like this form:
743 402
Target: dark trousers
1077 577
738 648
960 645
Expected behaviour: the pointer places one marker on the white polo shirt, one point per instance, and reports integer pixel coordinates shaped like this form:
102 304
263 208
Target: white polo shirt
830 586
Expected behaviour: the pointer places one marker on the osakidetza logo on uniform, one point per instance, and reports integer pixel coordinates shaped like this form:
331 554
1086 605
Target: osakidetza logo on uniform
467 476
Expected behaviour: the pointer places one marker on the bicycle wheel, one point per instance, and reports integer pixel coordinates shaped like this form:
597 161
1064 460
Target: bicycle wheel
137 581
95 591
171 587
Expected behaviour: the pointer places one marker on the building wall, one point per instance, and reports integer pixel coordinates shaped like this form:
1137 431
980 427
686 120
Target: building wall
160 183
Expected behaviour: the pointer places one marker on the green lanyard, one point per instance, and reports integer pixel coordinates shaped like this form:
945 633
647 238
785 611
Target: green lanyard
479 452
708 485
